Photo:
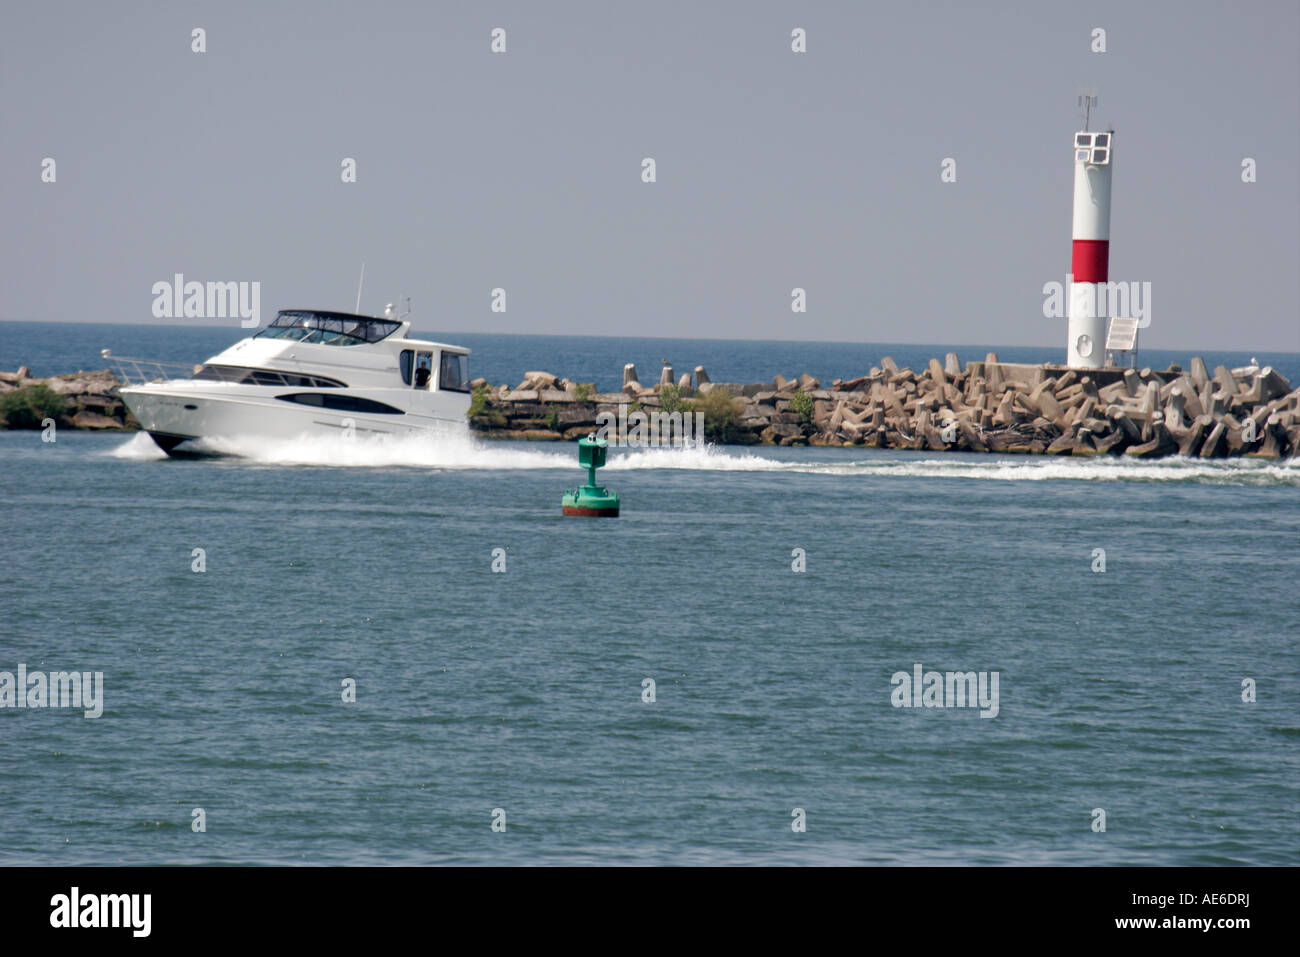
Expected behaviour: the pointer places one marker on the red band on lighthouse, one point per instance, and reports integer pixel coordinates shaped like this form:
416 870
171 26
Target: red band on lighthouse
1090 259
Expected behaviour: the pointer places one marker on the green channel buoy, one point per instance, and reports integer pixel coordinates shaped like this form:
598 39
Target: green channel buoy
591 499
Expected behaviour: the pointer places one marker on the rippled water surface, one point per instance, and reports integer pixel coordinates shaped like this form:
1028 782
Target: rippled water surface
523 690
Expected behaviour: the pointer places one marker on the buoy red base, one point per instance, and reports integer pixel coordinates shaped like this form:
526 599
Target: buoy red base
590 512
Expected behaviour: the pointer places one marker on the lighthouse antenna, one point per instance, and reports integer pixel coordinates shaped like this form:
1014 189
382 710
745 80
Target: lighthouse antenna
1087 102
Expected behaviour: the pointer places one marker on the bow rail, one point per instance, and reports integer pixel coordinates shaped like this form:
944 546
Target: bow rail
134 371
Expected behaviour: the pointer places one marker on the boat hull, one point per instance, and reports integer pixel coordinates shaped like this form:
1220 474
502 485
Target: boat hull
175 414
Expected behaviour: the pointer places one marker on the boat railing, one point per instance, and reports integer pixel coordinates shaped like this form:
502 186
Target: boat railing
133 371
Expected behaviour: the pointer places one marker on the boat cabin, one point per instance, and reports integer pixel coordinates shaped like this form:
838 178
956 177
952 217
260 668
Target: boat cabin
424 365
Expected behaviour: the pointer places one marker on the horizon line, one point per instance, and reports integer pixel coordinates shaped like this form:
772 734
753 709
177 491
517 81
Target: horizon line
579 335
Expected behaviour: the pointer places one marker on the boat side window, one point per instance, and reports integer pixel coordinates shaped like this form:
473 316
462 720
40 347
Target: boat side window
405 361
341 403
453 373
240 375
423 369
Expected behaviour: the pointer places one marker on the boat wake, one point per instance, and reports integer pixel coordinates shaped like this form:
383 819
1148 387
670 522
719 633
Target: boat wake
464 451
960 465
454 450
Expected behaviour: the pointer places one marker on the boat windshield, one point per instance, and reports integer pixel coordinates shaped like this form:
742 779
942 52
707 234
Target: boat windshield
328 328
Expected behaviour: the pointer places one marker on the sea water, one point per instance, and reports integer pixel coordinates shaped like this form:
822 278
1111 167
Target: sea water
328 652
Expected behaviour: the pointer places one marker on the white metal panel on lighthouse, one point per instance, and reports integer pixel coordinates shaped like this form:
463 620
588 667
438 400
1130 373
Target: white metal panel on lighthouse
1091 201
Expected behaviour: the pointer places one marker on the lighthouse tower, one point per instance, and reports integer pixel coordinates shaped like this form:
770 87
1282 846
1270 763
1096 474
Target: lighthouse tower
1085 347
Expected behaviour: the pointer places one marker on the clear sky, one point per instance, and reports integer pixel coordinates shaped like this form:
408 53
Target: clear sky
523 170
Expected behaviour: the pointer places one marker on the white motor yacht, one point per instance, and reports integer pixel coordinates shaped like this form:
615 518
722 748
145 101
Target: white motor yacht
309 373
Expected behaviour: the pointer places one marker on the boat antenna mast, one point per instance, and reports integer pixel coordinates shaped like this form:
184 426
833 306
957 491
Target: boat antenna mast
359 284
403 315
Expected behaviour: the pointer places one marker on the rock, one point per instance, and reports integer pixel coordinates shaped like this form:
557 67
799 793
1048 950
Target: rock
1191 444
1215 445
539 380
1148 399
1112 393
84 383
973 440
808 384
952 365
23 373
1063 444
632 388
577 413
1044 401
1120 417
1200 376
1085 411
1226 381
1113 442
630 376
93 420
780 430
993 372
1176 407
1161 442
1192 407
542 435
701 376
1274 439
1083 444
851 431
1266 386
665 375
684 384
1005 415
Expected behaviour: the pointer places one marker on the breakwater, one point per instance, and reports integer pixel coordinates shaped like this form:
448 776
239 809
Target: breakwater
981 406
79 400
